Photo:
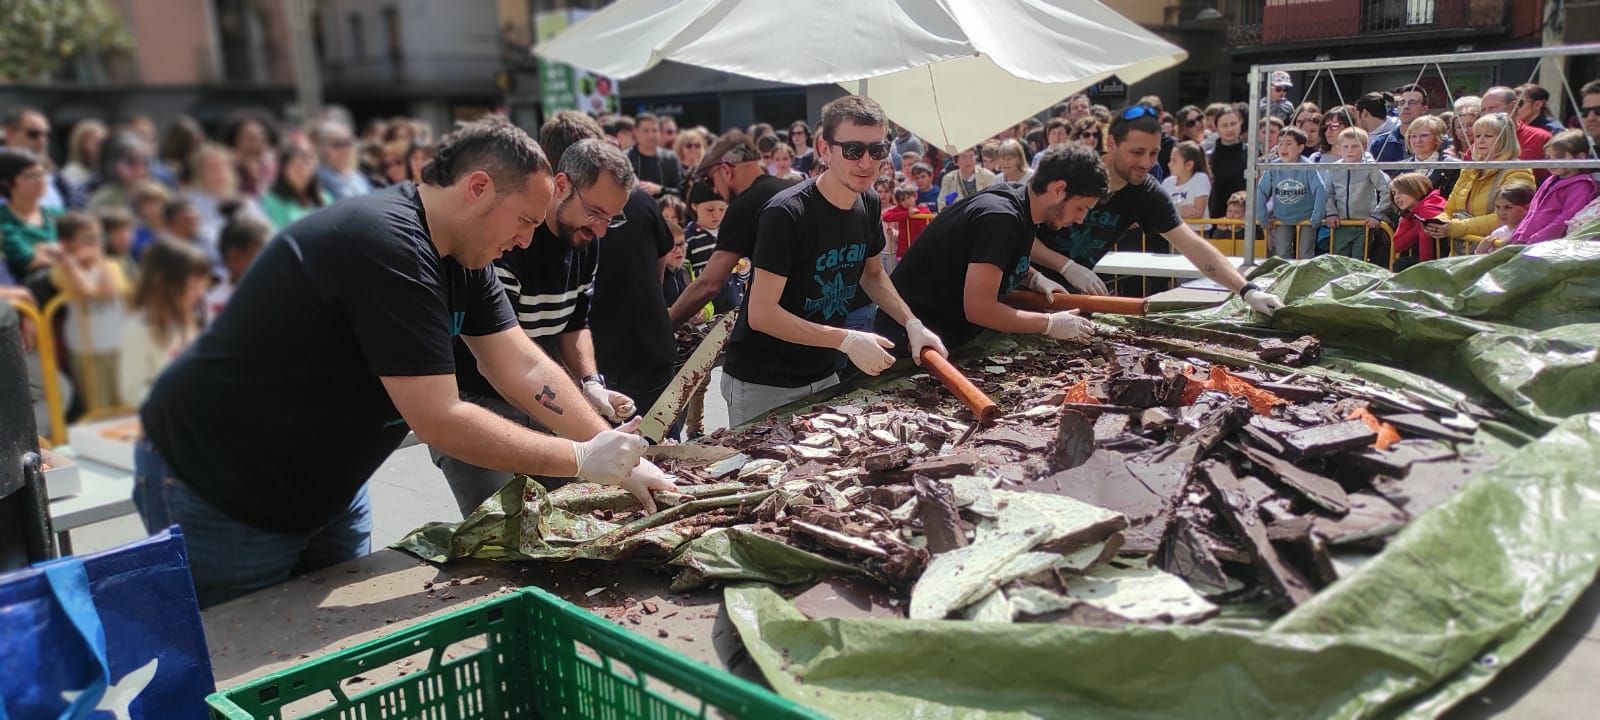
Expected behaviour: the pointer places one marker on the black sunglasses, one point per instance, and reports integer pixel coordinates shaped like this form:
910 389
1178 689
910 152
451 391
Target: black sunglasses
853 150
36 133
1590 110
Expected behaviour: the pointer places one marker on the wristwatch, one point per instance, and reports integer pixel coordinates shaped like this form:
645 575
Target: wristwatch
596 377
1245 290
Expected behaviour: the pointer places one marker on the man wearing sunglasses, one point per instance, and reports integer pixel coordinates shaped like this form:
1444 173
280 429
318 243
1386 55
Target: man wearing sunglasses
982 247
1589 113
733 169
817 248
551 285
28 129
1133 143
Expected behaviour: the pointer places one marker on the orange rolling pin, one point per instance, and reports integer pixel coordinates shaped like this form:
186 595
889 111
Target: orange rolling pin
981 406
1030 300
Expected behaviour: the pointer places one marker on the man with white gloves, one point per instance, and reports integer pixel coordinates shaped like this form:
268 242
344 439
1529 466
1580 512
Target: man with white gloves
981 246
1133 147
817 245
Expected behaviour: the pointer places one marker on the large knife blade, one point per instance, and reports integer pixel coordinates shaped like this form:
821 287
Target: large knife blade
690 377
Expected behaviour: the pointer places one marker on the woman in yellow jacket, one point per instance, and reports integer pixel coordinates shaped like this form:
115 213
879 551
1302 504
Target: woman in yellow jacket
1470 210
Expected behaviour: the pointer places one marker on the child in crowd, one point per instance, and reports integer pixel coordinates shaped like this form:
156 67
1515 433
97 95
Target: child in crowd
899 215
1511 207
1269 131
1297 194
927 192
783 163
1561 196
677 274
182 222
1356 194
1189 185
240 242
700 237
1234 210
97 288
1414 196
818 167
173 277
119 227
150 200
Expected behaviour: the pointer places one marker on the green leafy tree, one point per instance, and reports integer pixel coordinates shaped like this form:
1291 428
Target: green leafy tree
38 36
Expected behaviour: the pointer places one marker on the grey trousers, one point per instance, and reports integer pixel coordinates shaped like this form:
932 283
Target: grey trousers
470 484
748 401
1283 243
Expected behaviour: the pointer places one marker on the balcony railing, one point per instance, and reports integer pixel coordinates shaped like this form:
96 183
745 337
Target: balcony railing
1271 22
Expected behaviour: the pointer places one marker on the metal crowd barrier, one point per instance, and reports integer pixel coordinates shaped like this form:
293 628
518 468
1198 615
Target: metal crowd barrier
1233 244
48 369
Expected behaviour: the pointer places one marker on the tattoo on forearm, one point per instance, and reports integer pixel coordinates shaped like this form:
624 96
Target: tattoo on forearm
547 398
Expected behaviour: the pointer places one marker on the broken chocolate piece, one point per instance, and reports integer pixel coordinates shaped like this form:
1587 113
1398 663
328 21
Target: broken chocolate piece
887 459
1074 441
1183 553
1321 491
1315 442
1414 424
1240 515
941 522
848 597
1371 517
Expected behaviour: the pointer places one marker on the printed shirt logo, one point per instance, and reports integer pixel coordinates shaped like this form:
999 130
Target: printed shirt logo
1085 241
835 300
1009 282
1289 190
458 320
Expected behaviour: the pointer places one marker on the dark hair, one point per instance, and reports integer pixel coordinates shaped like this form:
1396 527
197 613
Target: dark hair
1340 113
1148 123
617 124
1057 122
311 195
243 233
921 167
14 162
236 122
1373 103
492 145
1529 92
1572 142
643 118
13 119
735 146
903 191
181 139
164 271
564 129
767 143
1191 151
116 218
1590 88
1059 109
1413 87
1516 193
674 203
72 222
1037 139
1293 132
175 206
858 110
1082 170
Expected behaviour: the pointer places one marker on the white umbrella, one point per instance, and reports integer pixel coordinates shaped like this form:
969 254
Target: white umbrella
954 72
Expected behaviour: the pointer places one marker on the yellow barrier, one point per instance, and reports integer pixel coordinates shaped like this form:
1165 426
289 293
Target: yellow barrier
50 372
1233 245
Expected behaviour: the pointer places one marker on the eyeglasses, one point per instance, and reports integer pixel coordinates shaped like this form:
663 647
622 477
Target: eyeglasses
853 150
595 216
1191 121
1590 110
693 146
1088 136
1140 111
36 133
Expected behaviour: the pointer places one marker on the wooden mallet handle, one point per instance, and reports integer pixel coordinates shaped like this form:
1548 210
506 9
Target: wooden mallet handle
985 409
1030 300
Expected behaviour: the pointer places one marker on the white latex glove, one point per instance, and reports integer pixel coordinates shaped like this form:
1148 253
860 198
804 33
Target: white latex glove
1038 283
1262 301
1083 279
921 337
867 351
609 457
1066 325
645 478
611 405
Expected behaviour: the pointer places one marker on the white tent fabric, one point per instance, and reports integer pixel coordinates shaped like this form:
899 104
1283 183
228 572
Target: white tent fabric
954 72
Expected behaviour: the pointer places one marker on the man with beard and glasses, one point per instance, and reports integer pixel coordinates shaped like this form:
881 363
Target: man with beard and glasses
817 245
982 246
550 283
1133 143
340 338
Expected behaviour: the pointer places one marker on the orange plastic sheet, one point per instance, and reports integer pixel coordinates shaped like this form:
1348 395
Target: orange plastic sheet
1221 380
1387 435
1079 393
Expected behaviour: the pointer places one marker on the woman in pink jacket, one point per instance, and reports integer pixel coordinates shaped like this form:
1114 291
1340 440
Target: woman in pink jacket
1560 197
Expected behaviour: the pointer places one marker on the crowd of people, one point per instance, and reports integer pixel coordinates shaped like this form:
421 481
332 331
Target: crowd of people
500 283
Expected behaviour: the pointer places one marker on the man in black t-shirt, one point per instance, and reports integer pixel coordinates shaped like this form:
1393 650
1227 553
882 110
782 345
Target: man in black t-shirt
658 167
733 168
1133 144
978 250
817 245
553 285
339 339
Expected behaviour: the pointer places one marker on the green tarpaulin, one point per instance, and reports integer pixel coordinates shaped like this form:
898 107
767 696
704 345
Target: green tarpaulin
1464 590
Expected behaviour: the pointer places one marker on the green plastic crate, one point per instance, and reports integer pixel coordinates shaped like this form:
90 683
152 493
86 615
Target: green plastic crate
532 667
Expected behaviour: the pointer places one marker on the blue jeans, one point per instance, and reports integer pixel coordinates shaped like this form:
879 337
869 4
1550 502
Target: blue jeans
150 482
228 558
